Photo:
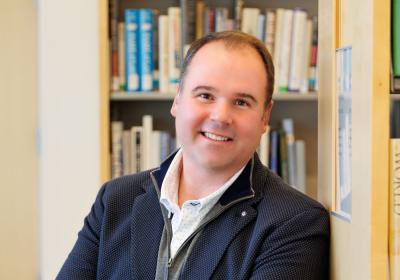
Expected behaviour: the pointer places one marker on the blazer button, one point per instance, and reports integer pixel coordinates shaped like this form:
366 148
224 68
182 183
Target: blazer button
244 213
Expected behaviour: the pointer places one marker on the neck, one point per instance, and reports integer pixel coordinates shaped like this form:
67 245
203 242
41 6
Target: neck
196 183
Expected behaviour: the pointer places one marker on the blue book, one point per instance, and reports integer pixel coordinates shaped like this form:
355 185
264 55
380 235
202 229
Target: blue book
273 165
145 54
131 49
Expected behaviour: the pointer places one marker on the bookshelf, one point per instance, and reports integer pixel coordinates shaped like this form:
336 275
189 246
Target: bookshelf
129 107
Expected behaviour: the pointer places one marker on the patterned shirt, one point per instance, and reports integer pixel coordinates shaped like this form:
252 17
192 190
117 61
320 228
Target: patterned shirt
186 220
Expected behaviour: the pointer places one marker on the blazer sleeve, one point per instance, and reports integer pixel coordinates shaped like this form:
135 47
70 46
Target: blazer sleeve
298 249
82 260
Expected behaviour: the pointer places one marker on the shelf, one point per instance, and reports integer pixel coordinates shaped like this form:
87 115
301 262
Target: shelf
157 96
395 96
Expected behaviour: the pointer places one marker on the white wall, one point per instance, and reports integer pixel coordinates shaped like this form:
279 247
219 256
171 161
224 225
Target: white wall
18 123
69 119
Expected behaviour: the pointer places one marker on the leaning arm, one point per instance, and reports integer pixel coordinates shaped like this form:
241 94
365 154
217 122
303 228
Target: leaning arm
298 249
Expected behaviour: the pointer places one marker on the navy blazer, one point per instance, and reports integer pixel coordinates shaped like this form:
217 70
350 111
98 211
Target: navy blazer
275 232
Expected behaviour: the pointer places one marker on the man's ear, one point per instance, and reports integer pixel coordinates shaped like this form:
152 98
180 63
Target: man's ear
175 104
266 115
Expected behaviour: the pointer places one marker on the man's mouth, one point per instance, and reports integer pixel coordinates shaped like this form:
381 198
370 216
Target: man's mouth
215 137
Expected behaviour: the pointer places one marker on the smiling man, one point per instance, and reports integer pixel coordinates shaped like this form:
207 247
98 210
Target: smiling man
211 210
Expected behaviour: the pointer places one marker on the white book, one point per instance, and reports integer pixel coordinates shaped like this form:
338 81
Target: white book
264 148
298 44
116 148
250 20
277 45
284 58
261 27
163 53
147 123
136 149
307 54
121 55
300 150
174 47
126 152
155 148
270 30
221 17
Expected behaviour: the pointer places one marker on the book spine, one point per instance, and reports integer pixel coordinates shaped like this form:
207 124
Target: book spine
126 152
114 45
396 37
278 45
116 149
283 154
284 59
288 127
250 21
306 61
298 44
147 123
131 49
199 19
394 210
270 30
121 55
155 148
188 24
221 16
156 74
163 53
273 163
174 47
238 10
261 28
313 56
145 54
136 149
300 149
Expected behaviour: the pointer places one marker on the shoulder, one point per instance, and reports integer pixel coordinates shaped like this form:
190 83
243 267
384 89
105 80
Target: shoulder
281 202
125 189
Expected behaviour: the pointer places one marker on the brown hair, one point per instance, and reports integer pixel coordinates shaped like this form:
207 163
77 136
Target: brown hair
233 39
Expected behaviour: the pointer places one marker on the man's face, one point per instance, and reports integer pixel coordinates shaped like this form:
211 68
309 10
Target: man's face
219 111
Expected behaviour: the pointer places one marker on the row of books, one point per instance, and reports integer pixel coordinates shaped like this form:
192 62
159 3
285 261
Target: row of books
138 148
147 48
395 85
284 155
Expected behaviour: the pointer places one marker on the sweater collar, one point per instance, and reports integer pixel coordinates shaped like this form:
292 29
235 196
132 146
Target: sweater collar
242 187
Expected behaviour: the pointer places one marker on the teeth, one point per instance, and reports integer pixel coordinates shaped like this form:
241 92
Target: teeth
215 137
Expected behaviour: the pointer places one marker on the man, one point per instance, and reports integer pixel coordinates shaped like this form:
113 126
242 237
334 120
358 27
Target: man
212 210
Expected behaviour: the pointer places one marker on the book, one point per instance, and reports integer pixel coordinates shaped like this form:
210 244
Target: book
297 50
136 149
174 47
145 49
163 65
279 16
188 24
126 152
270 30
306 55
274 147
250 21
284 57
283 157
395 119
116 149
121 56
313 57
147 124
300 155
396 45
200 19
156 43
288 128
221 18
209 20
155 148
114 45
237 13
261 28
131 49
394 209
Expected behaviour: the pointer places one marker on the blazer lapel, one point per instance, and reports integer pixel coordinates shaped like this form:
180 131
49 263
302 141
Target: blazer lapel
215 238
146 229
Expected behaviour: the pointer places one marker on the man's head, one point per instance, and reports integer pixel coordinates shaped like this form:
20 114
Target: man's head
222 107
234 39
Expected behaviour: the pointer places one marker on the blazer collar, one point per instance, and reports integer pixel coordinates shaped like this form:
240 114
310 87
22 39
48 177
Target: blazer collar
242 187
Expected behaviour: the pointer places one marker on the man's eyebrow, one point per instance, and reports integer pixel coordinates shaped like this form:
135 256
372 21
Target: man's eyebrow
206 88
247 96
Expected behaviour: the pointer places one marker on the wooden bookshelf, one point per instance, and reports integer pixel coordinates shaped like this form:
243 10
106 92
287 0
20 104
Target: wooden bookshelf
129 107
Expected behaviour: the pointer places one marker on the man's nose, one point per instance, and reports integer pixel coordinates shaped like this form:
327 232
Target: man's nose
222 113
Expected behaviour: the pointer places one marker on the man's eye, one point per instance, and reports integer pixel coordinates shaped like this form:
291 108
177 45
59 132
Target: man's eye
205 96
242 103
